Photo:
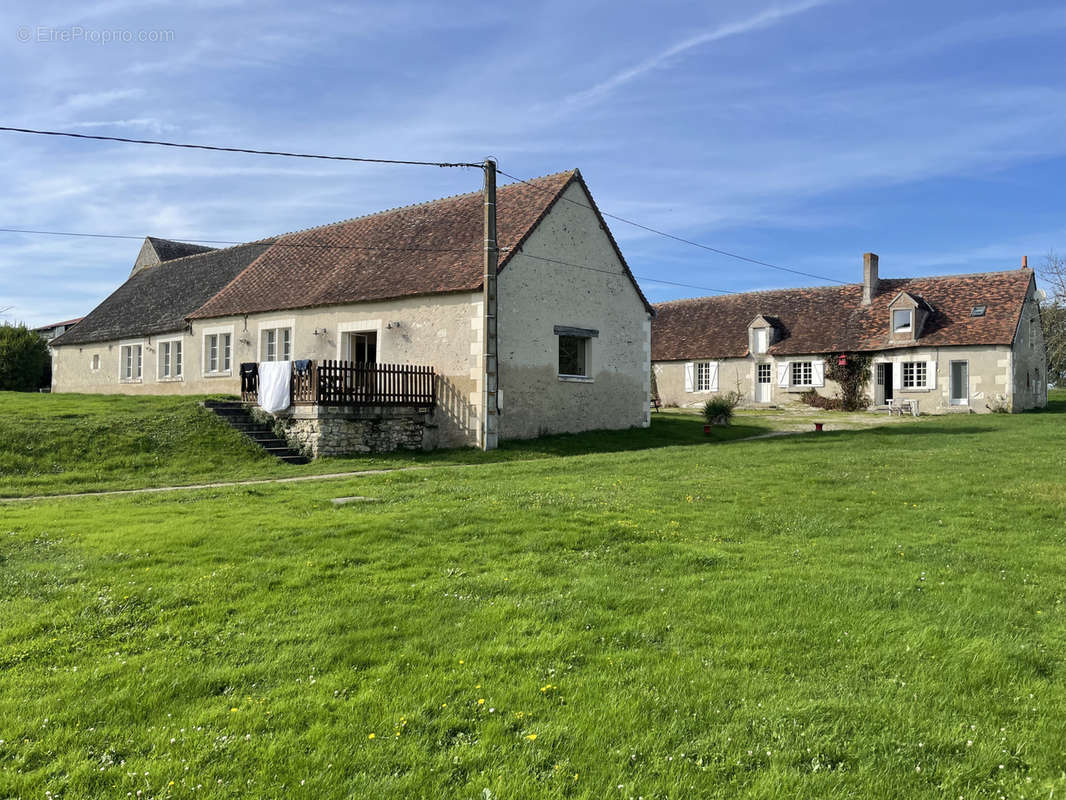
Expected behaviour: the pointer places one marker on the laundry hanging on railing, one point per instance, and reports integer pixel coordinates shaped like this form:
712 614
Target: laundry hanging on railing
275 379
249 372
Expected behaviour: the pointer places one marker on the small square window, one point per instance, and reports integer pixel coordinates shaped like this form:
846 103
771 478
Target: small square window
802 373
978 311
573 356
914 375
901 321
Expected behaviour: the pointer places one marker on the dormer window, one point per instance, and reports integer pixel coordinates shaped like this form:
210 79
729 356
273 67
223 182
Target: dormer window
902 321
760 339
978 311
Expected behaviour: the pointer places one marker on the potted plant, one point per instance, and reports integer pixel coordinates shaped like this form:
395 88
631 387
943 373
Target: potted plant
719 410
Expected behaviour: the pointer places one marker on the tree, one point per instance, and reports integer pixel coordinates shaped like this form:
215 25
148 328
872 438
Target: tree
24 359
1053 316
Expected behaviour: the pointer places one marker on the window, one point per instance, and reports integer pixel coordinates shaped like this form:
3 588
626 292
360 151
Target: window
701 376
96 363
573 356
130 362
170 366
704 382
802 373
901 321
277 344
764 373
914 375
218 353
1032 333
761 337
978 311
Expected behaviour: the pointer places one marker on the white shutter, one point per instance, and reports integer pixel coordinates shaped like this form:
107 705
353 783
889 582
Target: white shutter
897 375
714 376
782 375
817 373
930 375
690 376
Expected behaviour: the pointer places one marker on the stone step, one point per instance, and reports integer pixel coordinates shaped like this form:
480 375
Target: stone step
236 415
295 459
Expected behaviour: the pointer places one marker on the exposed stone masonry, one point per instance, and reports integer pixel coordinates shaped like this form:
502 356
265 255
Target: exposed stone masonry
320 431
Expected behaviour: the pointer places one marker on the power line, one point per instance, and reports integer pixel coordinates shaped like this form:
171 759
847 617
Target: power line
188 240
680 238
615 272
218 148
241 149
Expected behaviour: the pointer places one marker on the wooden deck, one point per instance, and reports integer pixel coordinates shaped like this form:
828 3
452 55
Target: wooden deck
346 383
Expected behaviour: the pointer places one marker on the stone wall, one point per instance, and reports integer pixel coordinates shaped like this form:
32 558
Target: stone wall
536 296
322 431
988 371
431 330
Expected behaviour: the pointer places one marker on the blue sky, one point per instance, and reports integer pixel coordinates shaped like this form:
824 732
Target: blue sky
800 133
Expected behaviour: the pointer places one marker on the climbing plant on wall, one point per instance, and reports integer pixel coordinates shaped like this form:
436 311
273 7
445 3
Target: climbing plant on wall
851 372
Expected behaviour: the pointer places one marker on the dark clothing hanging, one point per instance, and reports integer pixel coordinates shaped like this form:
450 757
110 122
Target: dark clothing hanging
249 377
302 365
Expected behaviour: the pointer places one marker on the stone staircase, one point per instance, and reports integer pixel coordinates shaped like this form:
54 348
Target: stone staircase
236 415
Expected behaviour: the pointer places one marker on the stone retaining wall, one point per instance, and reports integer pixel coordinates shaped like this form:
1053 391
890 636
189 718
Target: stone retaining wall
350 430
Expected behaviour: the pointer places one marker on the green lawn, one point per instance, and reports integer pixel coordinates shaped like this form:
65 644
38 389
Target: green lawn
868 614
65 443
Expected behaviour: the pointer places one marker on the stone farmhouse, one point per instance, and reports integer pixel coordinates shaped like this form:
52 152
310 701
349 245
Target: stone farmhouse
400 291
954 343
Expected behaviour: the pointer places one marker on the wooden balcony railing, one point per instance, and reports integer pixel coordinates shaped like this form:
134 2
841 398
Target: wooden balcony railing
346 383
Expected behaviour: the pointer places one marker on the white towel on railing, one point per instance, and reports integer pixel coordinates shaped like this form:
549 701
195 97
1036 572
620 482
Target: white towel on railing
274 377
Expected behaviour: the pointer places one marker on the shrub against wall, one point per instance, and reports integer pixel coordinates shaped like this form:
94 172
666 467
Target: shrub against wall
852 377
24 359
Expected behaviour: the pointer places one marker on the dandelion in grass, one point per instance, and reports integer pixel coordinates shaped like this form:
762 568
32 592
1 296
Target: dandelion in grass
481 701
371 736
532 737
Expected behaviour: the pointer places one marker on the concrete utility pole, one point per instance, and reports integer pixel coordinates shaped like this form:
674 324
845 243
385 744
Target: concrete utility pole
489 361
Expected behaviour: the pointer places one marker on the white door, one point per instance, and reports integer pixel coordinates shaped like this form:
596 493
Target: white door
762 383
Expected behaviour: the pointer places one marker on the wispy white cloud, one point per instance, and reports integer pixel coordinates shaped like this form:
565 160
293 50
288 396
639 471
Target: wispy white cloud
87 100
762 20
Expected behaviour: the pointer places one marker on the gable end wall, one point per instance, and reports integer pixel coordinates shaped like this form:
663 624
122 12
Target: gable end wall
535 296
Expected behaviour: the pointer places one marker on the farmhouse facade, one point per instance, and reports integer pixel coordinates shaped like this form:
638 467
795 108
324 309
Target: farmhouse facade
401 287
944 344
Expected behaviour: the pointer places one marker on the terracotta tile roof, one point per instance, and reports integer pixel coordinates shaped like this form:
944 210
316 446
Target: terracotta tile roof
66 323
421 249
156 299
833 319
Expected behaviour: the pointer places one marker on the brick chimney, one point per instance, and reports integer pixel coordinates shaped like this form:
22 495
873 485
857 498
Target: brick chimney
869 278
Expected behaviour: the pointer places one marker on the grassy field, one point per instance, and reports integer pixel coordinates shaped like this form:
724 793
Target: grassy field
869 614
66 443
